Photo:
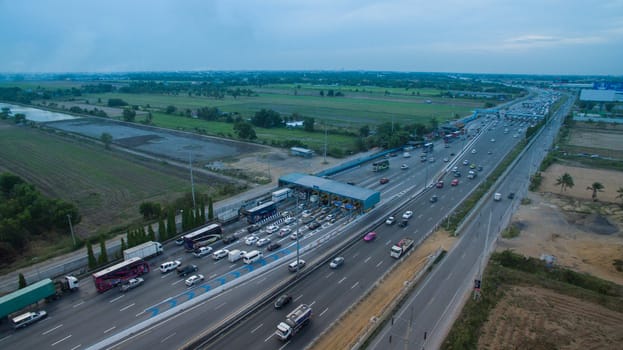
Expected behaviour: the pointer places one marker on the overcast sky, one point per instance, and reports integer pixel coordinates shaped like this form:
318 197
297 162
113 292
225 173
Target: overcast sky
473 36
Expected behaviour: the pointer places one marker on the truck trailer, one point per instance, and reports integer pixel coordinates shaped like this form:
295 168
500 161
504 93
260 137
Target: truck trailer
32 294
295 320
400 248
281 194
143 251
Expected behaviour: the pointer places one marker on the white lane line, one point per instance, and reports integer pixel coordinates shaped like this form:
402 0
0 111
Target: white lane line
67 337
126 307
212 276
51 329
429 218
140 313
261 280
322 313
342 280
219 306
299 297
379 264
167 337
420 216
269 337
117 298
388 242
256 328
355 255
77 346
449 275
355 285
367 259
312 304
8 336
80 303
110 329
329 275
176 282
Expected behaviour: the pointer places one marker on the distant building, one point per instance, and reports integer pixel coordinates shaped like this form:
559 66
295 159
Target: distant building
301 152
601 95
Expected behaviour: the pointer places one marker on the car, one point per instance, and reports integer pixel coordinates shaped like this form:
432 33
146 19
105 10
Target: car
220 254
190 281
465 162
337 262
179 241
282 301
272 228
445 160
273 246
203 251
254 227
313 225
454 182
169 266
393 154
457 174
489 152
330 217
262 242
182 271
479 168
28 318
511 195
325 210
294 236
370 236
451 154
351 183
455 169
474 151
306 213
284 231
384 180
289 220
296 265
434 198
131 284
403 223
492 140
439 184
404 167
230 239
407 215
251 240
472 166
431 160
390 220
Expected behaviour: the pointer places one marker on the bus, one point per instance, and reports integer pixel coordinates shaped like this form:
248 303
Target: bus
112 276
428 147
380 165
260 212
202 237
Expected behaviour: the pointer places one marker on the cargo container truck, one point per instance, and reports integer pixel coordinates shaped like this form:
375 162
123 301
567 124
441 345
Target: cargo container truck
143 251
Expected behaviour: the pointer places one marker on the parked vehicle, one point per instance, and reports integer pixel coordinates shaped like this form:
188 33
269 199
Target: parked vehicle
183 271
145 250
131 284
401 247
294 322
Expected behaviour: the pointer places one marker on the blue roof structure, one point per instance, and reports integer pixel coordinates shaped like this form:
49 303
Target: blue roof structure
367 197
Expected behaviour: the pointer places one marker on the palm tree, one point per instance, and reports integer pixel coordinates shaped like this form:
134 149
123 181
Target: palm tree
596 187
565 181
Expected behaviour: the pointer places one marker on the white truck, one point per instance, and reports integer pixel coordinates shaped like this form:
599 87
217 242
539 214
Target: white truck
295 320
281 195
235 255
143 251
401 247
497 196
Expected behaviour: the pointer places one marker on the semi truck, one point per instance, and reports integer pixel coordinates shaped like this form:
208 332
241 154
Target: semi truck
401 247
32 294
295 320
143 251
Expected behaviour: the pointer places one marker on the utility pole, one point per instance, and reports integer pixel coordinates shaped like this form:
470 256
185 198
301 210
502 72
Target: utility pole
325 143
192 182
71 228
296 228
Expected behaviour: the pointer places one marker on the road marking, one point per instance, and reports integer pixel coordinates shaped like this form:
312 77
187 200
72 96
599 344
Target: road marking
449 275
110 329
420 216
355 285
67 337
429 218
80 303
8 336
126 307
430 300
176 282
256 328
388 242
50 330
220 306
77 346
117 298
379 264
212 276
322 313
167 337
329 275
299 297
270 336
354 256
367 259
260 281
140 313
312 304
342 280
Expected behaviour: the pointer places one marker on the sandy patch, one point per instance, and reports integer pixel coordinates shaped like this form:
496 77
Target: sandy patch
584 177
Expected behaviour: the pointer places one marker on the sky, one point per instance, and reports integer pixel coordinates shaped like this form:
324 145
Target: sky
557 37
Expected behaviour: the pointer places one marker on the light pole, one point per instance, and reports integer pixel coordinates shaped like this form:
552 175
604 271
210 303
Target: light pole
71 228
296 228
192 182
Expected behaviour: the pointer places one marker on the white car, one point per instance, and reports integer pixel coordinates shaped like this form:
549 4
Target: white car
289 220
203 251
466 162
190 281
284 232
445 160
262 242
220 254
294 236
492 140
404 167
474 151
251 240
306 213
407 215
272 228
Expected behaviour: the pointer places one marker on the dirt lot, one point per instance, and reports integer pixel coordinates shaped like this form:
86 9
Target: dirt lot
584 177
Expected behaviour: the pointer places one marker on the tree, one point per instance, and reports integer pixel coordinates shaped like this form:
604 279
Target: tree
129 114
364 131
203 211
91 256
151 234
170 109
106 139
267 118
434 123
123 245
171 227
565 181
162 232
150 210
103 258
321 93
308 124
620 193
210 209
595 187
116 102
21 283
245 130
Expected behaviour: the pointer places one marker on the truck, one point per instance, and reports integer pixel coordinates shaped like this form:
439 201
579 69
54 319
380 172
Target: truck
401 247
235 255
32 294
143 251
281 195
295 320
497 196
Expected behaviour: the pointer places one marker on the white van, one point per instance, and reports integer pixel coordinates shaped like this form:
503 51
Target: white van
252 256
169 266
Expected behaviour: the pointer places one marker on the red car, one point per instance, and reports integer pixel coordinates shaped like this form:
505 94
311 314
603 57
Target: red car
454 182
440 184
370 236
384 180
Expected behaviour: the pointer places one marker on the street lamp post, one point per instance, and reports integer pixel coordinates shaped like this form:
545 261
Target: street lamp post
71 228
